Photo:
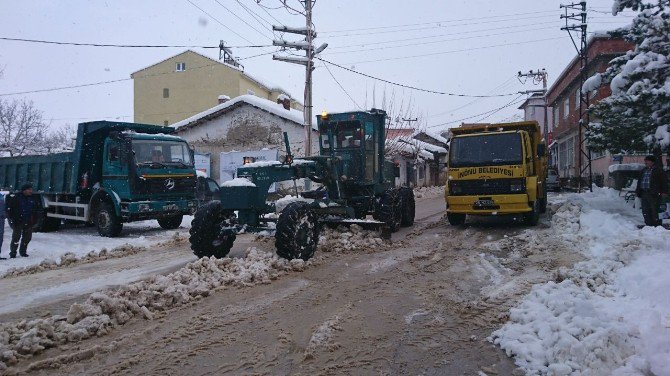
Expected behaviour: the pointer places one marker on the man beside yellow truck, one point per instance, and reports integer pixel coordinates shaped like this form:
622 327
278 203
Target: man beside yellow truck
496 169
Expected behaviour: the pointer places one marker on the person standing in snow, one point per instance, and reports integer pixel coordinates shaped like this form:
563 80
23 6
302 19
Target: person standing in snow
2 223
21 214
651 186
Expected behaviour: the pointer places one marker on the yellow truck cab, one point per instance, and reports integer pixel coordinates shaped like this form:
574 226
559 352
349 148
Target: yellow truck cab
496 169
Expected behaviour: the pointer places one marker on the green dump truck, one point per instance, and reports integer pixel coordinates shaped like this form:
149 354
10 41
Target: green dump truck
117 172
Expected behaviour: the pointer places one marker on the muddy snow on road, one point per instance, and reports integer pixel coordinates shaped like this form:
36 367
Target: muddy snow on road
483 299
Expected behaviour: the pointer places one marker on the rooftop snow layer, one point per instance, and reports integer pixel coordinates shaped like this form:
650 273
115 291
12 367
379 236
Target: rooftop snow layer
625 167
264 104
238 182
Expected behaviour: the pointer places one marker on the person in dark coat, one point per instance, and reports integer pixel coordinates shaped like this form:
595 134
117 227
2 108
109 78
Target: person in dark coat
2 222
21 209
651 186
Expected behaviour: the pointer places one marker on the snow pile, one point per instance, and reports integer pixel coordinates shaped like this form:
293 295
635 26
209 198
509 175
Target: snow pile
323 337
104 310
238 182
608 315
625 167
429 192
353 238
592 83
283 202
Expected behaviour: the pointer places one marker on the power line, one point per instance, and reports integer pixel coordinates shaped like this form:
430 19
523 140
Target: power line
119 45
438 22
255 16
265 9
219 22
243 20
454 51
503 85
342 87
513 102
413 87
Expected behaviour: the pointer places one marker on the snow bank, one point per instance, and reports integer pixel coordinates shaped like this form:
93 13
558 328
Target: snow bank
76 242
608 315
427 192
238 182
104 310
625 167
352 238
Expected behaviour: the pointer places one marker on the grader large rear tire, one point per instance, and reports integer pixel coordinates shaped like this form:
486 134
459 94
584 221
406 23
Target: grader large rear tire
297 233
206 239
389 209
408 209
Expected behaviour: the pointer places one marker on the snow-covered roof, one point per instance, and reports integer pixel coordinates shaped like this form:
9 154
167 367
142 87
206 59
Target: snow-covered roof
625 167
261 103
436 136
224 97
412 146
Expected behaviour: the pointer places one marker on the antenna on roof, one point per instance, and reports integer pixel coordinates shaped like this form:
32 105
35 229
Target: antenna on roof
226 54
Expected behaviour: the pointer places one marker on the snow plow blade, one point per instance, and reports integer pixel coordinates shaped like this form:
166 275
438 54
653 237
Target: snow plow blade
369 225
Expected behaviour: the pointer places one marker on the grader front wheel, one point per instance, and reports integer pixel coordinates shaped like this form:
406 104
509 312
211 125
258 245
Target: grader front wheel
297 233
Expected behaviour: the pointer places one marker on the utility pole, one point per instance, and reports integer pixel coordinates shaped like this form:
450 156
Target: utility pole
584 160
540 74
308 61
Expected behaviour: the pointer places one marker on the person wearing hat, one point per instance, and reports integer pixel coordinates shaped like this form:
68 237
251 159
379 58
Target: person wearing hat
651 186
21 214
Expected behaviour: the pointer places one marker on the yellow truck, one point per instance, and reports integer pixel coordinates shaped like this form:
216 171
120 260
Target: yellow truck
496 169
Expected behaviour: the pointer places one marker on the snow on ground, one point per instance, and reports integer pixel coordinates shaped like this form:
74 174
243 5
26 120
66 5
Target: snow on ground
79 241
609 314
428 192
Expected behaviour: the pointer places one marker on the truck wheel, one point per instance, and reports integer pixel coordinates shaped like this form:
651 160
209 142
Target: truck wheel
532 217
297 233
408 211
108 223
206 237
456 219
543 204
170 223
389 209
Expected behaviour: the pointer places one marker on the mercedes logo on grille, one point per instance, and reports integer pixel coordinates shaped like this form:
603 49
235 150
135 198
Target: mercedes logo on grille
169 184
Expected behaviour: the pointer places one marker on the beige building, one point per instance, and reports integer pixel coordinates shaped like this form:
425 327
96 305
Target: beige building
188 83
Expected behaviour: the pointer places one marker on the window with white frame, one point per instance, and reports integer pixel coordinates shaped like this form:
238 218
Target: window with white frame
181 67
562 155
570 146
566 108
556 116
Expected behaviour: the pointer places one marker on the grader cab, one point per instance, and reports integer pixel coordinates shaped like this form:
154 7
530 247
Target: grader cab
354 181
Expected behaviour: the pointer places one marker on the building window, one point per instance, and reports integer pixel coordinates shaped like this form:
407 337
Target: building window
566 108
166 93
570 152
251 92
531 109
181 67
165 123
556 117
577 99
562 156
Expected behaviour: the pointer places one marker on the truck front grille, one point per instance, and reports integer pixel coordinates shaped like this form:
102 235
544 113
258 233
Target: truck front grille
160 185
481 187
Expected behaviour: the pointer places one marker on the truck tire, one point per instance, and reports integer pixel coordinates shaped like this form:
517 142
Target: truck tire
297 233
533 217
108 223
389 209
543 204
408 211
170 223
456 219
206 239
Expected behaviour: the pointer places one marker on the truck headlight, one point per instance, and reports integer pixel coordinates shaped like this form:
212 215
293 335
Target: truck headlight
517 185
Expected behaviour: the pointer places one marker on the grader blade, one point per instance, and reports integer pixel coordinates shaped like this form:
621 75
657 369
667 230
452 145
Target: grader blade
370 225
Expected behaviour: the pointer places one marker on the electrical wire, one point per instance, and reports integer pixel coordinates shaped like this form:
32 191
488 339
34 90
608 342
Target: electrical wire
120 45
342 87
513 102
454 51
220 23
255 15
413 87
243 20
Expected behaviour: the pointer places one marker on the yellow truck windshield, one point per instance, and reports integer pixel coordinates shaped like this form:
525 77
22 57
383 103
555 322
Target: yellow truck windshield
485 150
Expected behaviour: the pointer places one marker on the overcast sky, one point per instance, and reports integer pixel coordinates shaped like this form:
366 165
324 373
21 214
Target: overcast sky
467 47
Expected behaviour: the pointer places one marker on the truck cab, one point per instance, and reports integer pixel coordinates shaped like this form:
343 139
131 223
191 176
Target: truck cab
496 169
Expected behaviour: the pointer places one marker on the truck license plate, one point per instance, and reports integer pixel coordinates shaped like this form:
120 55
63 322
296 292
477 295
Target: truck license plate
171 207
484 203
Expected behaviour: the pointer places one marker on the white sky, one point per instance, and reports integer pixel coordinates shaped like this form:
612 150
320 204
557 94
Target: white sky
456 30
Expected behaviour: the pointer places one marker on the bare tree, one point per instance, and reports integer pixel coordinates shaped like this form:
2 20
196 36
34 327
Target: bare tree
22 129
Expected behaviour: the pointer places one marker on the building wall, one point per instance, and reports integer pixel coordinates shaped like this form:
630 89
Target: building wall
245 128
190 92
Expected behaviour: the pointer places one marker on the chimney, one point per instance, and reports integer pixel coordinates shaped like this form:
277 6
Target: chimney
223 99
285 101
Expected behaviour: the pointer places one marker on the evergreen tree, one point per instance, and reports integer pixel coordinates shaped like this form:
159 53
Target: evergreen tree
636 117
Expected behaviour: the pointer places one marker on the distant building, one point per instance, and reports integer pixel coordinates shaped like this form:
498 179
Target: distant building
563 98
244 123
533 109
185 84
